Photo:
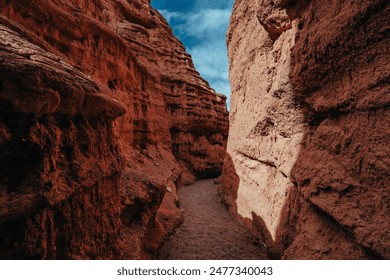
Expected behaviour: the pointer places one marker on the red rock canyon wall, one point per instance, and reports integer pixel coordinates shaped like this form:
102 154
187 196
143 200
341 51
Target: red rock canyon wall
102 115
308 151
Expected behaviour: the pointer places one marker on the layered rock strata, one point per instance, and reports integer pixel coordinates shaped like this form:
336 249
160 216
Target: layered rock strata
308 155
102 115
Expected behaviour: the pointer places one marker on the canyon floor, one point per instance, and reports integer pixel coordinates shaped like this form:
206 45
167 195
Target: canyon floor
208 232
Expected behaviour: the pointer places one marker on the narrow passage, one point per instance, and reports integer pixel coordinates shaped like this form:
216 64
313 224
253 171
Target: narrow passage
208 232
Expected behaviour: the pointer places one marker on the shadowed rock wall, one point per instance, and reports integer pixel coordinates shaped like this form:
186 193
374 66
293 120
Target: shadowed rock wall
102 115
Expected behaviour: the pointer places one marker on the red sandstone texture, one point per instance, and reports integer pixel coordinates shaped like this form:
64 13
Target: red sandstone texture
102 115
336 195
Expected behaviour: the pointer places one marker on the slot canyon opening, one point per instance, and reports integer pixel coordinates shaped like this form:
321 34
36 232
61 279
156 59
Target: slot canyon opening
304 172
198 144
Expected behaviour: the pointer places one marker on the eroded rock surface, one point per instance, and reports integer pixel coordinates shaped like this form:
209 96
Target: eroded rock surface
308 153
102 115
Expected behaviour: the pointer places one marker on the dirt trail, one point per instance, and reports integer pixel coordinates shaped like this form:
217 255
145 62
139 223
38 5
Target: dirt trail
208 232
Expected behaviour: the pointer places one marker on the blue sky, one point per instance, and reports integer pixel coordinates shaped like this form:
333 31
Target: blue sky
202 25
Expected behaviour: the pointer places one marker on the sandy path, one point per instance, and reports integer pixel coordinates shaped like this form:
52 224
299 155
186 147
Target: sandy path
208 232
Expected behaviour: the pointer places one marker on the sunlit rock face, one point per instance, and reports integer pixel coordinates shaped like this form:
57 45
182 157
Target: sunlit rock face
307 156
102 115
267 127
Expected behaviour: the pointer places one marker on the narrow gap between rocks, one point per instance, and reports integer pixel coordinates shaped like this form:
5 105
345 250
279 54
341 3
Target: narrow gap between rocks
208 231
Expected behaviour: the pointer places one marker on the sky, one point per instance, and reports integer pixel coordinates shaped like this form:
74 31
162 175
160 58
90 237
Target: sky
201 25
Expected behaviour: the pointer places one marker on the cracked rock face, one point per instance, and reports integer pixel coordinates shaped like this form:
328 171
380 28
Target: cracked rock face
102 115
307 156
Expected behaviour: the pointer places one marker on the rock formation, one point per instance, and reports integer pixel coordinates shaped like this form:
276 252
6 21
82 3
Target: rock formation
307 162
102 115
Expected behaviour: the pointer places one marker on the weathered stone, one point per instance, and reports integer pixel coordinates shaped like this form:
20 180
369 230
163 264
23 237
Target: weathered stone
101 110
308 153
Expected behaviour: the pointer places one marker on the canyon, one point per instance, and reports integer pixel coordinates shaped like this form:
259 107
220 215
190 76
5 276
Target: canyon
102 116
307 163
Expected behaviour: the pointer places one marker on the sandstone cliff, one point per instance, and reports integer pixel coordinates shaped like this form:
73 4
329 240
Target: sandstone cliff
308 154
102 115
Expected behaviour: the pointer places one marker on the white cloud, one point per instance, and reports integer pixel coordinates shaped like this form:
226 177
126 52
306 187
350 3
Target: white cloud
210 59
205 23
168 15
